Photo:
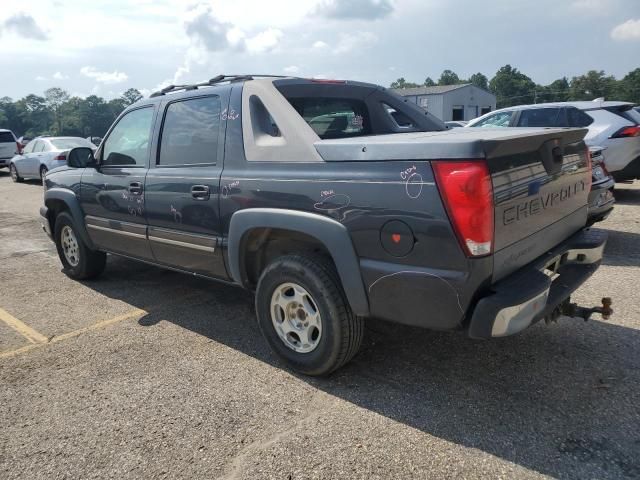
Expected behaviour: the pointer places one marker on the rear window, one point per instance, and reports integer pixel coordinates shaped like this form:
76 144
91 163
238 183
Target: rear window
6 137
630 114
65 143
540 117
577 118
334 117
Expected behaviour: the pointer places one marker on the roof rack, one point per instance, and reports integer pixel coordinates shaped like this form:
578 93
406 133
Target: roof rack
213 81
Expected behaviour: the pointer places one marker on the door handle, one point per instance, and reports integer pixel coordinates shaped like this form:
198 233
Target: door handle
135 188
200 192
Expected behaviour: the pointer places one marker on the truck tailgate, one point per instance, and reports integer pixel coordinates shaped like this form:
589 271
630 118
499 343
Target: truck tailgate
541 186
540 176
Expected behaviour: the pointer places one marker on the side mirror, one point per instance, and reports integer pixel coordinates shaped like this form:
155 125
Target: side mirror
81 157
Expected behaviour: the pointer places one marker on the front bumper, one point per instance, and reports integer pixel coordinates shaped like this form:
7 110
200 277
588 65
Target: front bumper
535 291
44 222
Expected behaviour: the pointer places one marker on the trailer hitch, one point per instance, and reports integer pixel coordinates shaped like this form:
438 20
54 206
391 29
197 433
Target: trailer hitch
573 310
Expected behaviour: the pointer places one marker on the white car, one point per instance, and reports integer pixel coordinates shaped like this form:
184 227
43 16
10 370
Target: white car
43 154
612 125
8 147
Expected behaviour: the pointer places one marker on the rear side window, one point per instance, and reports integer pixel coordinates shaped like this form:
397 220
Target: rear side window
500 119
577 118
399 118
7 137
39 146
334 117
541 117
190 132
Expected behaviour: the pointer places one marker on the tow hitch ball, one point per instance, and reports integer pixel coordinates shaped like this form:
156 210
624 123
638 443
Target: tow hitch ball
572 310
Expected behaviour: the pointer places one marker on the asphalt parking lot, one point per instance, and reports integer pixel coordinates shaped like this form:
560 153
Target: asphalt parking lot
150 373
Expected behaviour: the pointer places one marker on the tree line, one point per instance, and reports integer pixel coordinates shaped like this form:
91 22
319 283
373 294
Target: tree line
58 113
512 87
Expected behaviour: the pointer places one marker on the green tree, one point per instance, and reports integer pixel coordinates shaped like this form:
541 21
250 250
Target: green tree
402 83
131 96
512 87
448 77
628 89
34 114
54 98
428 82
594 84
479 80
556 91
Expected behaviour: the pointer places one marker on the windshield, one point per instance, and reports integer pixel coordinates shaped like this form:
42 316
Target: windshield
64 143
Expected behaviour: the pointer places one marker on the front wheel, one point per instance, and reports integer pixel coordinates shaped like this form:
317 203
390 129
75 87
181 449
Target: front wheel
304 315
79 262
14 174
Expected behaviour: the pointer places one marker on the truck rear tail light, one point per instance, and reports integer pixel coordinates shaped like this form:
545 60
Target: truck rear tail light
18 148
627 132
589 166
60 157
467 193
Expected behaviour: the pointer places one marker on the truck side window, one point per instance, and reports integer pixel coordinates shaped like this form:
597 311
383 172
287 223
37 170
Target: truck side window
399 118
128 142
190 132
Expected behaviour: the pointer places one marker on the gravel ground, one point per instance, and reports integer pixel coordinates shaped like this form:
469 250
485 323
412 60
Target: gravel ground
149 373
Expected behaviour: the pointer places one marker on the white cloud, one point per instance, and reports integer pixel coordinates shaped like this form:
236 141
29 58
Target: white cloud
104 77
40 78
264 41
629 30
60 76
350 42
25 26
292 69
320 44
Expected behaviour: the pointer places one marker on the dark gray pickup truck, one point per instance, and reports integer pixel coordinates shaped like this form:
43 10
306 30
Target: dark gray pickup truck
335 201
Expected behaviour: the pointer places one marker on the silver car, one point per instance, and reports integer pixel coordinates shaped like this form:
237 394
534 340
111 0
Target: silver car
43 154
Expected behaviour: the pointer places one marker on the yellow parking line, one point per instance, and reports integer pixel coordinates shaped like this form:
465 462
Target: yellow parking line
137 313
23 329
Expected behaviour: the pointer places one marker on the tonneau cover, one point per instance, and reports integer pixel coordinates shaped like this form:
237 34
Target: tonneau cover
455 143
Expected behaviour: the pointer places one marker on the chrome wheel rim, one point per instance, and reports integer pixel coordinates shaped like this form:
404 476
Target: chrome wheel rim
296 317
70 246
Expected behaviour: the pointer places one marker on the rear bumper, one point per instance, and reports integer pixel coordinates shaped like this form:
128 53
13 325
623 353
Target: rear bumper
530 294
630 172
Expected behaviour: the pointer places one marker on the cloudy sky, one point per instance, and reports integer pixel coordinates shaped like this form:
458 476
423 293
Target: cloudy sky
104 47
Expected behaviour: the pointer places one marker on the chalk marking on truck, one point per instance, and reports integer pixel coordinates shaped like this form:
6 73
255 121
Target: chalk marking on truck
420 273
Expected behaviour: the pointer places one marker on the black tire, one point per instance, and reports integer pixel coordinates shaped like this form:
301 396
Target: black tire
14 174
89 264
342 331
43 172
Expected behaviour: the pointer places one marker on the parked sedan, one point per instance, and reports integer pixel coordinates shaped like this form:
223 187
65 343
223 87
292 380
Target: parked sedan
43 154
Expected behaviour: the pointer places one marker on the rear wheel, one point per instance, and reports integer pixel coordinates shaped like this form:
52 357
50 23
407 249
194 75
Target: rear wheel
303 314
14 174
79 262
43 172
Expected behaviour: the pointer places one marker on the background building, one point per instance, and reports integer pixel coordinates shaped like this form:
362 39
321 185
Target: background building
451 102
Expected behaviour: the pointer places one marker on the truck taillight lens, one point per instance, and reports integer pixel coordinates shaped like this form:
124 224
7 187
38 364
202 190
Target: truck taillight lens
465 187
627 132
18 148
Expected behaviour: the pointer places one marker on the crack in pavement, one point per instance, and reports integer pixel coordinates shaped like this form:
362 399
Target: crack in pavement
240 460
